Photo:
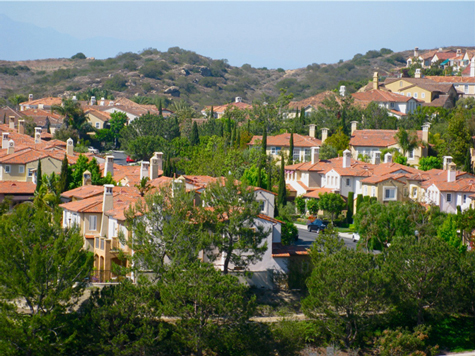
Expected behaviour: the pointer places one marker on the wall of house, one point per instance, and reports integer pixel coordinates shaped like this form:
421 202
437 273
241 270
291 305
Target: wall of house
345 189
48 166
314 180
269 202
332 180
130 116
87 228
14 174
415 92
467 88
95 121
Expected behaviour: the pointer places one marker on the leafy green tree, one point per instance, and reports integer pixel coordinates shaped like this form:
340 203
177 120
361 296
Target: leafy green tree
422 273
74 116
212 309
326 243
328 151
313 206
407 140
345 289
458 138
236 234
428 163
448 232
300 204
404 342
332 203
79 55
339 141
44 266
195 137
250 176
16 100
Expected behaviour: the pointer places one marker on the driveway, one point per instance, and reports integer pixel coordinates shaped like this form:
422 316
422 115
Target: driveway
307 238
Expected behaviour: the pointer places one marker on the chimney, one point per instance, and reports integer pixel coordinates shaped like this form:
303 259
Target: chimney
375 81
315 155
11 147
70 147
440 49
376 157
5 140
354 126
21 127
93 100
452 173
472 67
155 165
416 52
144 169
447 160
388 158
30 97
38 131
11 122
346 158
417 74
109 166
425 132
311 131
324 134
86 178
107 204
102 103
459 51
342 90
238 99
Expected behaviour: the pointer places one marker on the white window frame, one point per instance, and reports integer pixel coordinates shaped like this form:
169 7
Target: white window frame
408 94
92 223
30 172
262 206
21 169
411 154
275 150
465 89
414 192
389 189
365 190
296 154
8 169
464 199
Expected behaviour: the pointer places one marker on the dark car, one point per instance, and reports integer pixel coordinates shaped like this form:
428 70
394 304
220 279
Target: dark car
316 225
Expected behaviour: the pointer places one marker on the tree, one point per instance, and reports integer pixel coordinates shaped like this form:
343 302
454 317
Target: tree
339 141
236 233
350 208
64 177
39 176
407 140
313 206
290 160
195 136
345 289
422 273
428 163
300 204
332 203
282 193
45 266
359 200
74 116
144 186
79 55
458 138
448 232
328 151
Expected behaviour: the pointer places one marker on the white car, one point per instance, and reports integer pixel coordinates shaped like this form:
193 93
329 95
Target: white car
93 150
356 237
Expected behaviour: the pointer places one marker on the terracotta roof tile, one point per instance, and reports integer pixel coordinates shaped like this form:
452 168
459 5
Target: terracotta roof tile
13 187
376 138
453 79
378 95
283 140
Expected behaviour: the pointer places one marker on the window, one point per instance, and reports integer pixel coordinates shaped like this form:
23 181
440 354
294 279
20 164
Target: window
275 150
102 244
465 198
296 154
348 182
92 223
392 105
97 125
8 169
414 192
415 95
408 94
373 191
449 198
465 90
365 190
400 84
114 229
21 169
262 206
30 172
97 242
410 154
308 152
389 193
423 95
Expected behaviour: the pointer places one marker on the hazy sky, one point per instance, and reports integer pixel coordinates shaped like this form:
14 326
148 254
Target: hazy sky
271 34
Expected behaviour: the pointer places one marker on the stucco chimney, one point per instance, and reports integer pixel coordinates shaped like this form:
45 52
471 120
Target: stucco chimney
38 131
315 155
155 165
11 147
74 99
21 126
103 101
447 160
5 140
93 100
342 90
425 133
324 134
70 147
472 67
86 178
375 81
238 99
354 126
311 130
11 122
416 52
109 166
346 158
30 97
459 52
376 157
440 49
388 158
452 172
107 204
417 74
144 169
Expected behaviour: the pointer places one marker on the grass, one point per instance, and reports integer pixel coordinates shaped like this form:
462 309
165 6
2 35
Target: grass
343 229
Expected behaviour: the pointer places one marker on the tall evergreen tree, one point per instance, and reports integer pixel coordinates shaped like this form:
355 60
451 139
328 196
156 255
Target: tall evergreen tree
282 193
302 117
264 142
467 167
259 179
211 113
290 160
195 136
349 213
269 176
64 178
39 177
238 139
160 109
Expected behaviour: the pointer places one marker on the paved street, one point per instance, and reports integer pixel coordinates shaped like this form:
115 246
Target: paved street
307 238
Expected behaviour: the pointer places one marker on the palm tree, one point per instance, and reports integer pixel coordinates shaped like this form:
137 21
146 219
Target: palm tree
73 116
407 140
144 186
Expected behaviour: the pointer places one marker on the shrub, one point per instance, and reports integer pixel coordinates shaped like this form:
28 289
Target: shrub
117 83
79 55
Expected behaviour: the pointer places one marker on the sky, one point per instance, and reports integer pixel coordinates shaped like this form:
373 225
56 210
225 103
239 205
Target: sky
286 34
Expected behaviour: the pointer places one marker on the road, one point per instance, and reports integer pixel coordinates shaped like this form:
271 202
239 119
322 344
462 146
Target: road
307 238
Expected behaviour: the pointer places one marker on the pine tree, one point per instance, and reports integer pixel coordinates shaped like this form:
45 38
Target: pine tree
195 136
290 160
39 177
64 177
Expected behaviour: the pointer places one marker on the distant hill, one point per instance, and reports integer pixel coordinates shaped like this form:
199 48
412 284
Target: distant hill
179 74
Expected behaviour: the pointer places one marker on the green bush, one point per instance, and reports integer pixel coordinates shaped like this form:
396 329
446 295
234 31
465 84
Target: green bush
117 83
79 55
289 233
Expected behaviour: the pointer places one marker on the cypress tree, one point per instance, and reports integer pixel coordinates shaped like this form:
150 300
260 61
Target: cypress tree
195 136
359 200
290 160
48 125
269 176
211 113
467 167
4 118
282 193
264 143
259 180
64 177
302 116
249 125
238 139
39 177
232 139
160 109
349 212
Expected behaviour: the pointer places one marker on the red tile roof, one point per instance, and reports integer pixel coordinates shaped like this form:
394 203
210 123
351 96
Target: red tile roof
283 140
378 95
376 138
453 79
11 187
317 192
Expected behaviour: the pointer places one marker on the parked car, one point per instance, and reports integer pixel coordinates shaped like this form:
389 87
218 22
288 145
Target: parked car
93 150
129 160
356 237
316 225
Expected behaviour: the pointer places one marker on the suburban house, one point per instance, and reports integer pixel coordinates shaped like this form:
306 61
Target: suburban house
281 143
44 119
364 142
218 111
463 84
429 58
312 103
98 119
42 104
